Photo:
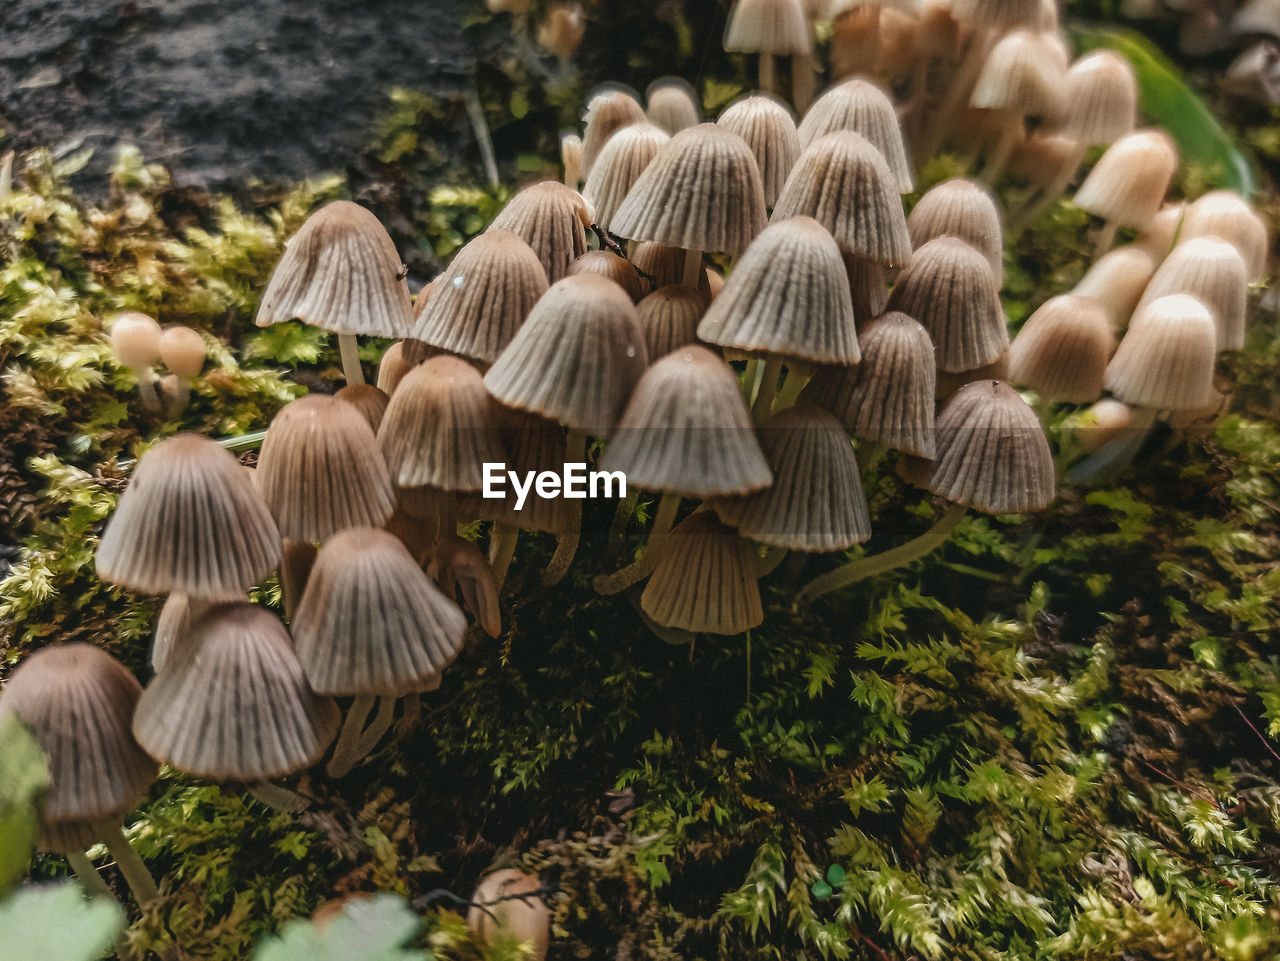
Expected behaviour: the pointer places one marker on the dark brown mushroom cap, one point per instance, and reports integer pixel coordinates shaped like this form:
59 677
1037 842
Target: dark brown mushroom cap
862 106
843 182
768 26
320 470
1166 357
701 192
552 219
949 288
483 297
669 318
816 502
191 521
992 453
461 570
766 124
369 400
663 266
789 295
1062 350
576 358
671 104
965 209
341 272
705 579
620 164
440 428
79 702
889 397
1212 271
534 444
610 108
232 703
1127 185
687 430
371 621
618 269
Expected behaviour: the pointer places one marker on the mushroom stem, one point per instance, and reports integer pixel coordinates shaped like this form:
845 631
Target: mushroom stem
381 722
621 518
692 267
502 547
751 378
798 375
1106 239
999 155
136 875
874 564
181 397
348 347
411 715
767 82
639 569
1038 201
768 387
277 797
147 393
1117 454
665 519
802 81
484 140
960 89
575 452
89 877
767 564
346 754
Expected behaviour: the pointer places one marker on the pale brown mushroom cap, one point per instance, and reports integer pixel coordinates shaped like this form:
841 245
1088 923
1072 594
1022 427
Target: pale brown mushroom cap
1127 185
495 911
571 157
79 702
1062 350
369 400
1212 271
552 219
1157 237
768 26
576 358
687 430
1022 77
999 15
669 318
992 453
672 104
440 428
816 502
868 287
1101 98
460 569
320 470
701 192
620 164
1166 357
665 266
788 295
965 209
843 182
340 272
191 521
392 368
618 269
534 444
705 579
371 621
767 126
135 338
951 381
610 108
483 297
182 350
232 703
949 288
889 397
863 107
1117 279
1221 213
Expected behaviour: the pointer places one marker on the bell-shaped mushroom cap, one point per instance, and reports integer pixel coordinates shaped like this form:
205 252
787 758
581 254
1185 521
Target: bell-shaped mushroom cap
1213 272
483 297
232 704
663 266
340 272
789 295
320 470
843 182
768 26
1101 98
571 157
533 444
552 219
949 289
1062 350
687 430
951 381
79 702
1158 236
610 108
1117 279
371 622
191 521
440 428
461 571
705 579
370 401
135 338
1165 359
392 368
1127 185
992 455
576 358
672 104
669 318
862 106
617 268
999 16
867 286
888 398
701 192
965 209
767 126
182 350
816 501
1022 75
1220 213
620 164
171 626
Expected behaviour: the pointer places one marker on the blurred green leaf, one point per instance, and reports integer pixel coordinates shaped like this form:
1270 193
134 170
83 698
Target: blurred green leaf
373 930
55 923
24 775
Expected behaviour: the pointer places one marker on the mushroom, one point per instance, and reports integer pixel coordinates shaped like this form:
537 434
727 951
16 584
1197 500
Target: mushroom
508 904
965 209
620 164
1126 187
769 28
768 127
863 107
1212 271
617 268
669 318
135 338
1221 213
182 351
610 108
392 368
1062 350
370 401
1117 279
552 219
672 104
571 158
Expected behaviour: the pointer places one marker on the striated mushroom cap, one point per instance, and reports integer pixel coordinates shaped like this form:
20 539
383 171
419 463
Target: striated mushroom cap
371 402
1022 75
462 572
1213 272
552 219
1062 350
617 268
964 209
663 266
340 272
862 106
669 318
392 368
1117 280
768 26
620 164
1221 213
1127 185
534 444
767 126
1101 98
1166 357
672 104
610 108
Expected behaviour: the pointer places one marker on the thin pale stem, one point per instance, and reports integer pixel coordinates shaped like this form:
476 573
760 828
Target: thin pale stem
484 140
181 398
750 378
875 564
1034 207
349 348
346 754
147 392
89 877
502 548
381 723
1000 153
139 879
1119 453
798 375
621 518
277 797
802 81
641 568
767 82
575 452
768 387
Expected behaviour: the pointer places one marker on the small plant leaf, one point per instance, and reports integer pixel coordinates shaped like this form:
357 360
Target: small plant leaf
372 930
24 775
55 923
821 890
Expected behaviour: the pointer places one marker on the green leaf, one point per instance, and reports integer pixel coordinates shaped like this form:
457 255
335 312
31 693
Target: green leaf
1171 104
24 775
55 923
372 930
821 890
835 875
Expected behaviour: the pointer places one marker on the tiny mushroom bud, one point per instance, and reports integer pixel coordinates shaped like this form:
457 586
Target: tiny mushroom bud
182 351
135 337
